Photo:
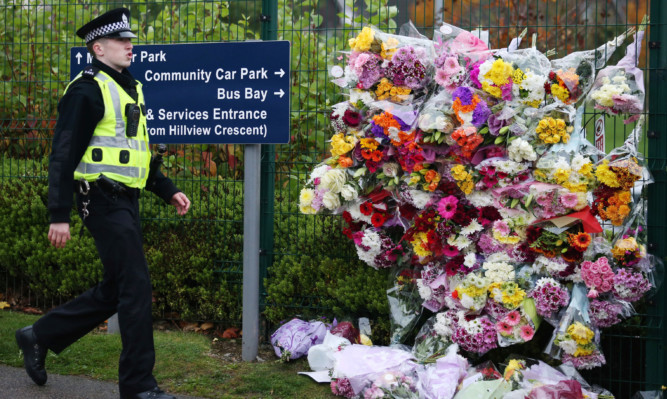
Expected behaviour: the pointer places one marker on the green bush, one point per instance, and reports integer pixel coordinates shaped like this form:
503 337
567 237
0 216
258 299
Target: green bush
196 261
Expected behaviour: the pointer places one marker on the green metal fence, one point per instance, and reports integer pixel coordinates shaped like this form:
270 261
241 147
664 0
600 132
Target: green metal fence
36 37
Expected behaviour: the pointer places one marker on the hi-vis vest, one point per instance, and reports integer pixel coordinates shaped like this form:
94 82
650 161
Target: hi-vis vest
110 152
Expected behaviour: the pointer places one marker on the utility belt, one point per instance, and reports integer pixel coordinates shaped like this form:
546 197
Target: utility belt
105 185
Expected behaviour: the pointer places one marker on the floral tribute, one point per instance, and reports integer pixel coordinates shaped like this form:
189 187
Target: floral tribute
466 170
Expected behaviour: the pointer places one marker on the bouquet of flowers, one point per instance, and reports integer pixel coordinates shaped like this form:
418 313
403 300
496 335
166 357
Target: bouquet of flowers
429 345
606 313
477 335
516 326
598 276
630 286
619 89
549 296
573 172
579 347
470 292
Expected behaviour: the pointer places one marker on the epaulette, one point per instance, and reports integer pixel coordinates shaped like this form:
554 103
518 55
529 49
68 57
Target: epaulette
89 72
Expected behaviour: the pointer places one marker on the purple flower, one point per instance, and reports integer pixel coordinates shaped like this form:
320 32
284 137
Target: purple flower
495 124
604 314
480 114
464 94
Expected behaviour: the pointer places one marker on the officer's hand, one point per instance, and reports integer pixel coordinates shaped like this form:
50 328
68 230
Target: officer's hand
59 234
181 202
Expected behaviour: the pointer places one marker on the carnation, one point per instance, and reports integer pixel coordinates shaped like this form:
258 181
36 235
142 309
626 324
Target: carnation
629 286
604 314
331 200
349 193
520 150
333 180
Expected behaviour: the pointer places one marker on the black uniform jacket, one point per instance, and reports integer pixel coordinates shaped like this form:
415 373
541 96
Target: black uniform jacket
79 111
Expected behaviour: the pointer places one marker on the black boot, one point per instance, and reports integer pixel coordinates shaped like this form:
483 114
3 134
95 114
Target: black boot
155 393
34 354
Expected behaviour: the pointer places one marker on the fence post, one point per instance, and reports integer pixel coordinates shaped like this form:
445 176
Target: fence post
269 32
656 358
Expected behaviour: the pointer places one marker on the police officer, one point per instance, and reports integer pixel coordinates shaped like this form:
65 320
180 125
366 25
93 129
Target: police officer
100 148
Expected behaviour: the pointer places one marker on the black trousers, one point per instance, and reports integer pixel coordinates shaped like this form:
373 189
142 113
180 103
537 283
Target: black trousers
125 288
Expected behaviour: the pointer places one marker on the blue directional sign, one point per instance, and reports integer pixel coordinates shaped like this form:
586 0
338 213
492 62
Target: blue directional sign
232 93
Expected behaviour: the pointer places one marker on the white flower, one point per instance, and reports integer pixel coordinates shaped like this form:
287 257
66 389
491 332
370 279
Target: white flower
331 200
569 346
578 162
333 180
546 280
470 259
357 95
349 193
460 242
472 228
393 133
318 171
480 198
372 241
498 271
306 197
443 325
520 150
425 292
419 199
534 84
551 266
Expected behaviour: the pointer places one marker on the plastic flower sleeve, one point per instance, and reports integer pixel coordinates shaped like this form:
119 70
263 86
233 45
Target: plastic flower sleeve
294 338
575 341
440 380
620 89
404 304
429 345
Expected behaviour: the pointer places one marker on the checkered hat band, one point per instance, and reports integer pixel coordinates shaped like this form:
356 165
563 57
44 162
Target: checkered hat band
107 29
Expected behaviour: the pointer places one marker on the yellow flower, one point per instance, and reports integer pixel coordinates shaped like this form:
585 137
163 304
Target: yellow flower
562 176
582 351
308 210
560 92
539 175
467 187
586 169
500 72
606 176
418 245
493 90
306 197
506 239
459 172
369 143
518 76
341 144
3 305
363 41
580 333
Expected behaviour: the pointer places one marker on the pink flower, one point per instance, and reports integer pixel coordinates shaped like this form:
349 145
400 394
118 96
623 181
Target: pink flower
466 42
513 318
569 200
447 207
526 332
605 269
450 250
501 227
597 281
605 286
592 293
451 66
441 77
505 328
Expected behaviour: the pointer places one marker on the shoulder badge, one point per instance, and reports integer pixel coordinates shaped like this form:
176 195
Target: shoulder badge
89 72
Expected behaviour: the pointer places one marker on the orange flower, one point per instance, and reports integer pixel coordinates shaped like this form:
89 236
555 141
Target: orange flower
366 153
376 156
579 241
432 176
344 162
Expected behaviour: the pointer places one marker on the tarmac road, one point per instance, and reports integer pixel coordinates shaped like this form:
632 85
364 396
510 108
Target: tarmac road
15 384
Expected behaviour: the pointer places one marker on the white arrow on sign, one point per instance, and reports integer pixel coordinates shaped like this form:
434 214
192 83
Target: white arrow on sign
281 73
78 58
280 93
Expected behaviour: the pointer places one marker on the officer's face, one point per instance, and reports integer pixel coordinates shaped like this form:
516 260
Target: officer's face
116 52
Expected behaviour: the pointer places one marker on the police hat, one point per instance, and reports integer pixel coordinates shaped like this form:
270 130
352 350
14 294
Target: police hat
114 23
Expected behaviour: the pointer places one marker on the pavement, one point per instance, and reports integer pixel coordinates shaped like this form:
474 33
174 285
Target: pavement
15 384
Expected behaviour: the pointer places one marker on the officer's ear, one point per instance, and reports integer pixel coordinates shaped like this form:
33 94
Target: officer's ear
96 48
